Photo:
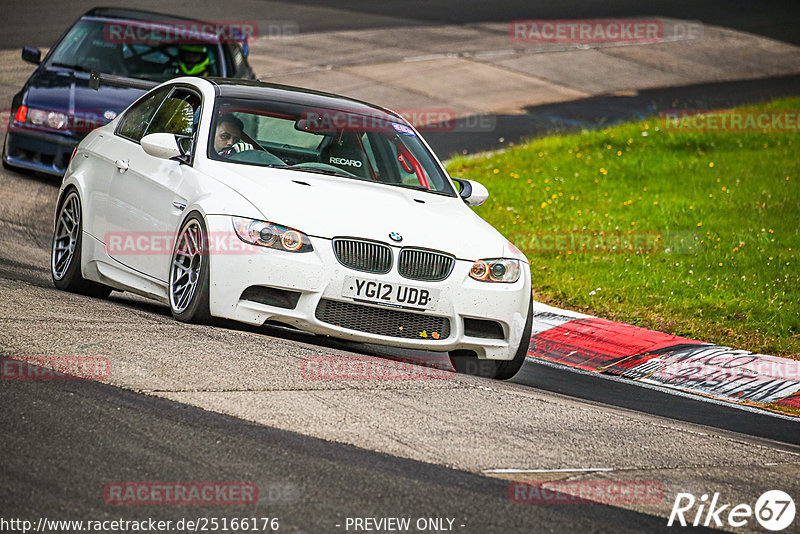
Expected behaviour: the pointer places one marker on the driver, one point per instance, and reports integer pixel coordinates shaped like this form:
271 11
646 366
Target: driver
193 60
228 136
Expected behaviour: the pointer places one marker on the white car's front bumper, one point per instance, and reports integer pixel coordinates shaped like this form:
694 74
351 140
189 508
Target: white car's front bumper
318 275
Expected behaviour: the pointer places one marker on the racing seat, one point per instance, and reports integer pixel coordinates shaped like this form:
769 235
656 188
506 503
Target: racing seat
345 154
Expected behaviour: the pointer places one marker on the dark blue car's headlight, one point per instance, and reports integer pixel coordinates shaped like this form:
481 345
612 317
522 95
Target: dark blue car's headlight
42 117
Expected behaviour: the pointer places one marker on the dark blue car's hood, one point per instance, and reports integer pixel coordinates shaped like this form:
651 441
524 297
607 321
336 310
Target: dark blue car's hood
68 92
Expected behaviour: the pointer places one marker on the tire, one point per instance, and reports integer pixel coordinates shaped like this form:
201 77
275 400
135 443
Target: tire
65 249
506 369
189 273
467 362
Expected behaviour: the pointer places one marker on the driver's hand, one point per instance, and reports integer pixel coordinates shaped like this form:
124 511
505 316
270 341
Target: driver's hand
235 148
241 146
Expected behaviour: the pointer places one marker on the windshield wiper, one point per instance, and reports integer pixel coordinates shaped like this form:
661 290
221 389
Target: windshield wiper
318 171
79 68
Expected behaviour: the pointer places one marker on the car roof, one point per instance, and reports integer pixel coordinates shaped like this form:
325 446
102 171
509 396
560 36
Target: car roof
257 90
134 14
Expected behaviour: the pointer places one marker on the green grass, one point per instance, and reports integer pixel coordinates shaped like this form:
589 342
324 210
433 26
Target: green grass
723 207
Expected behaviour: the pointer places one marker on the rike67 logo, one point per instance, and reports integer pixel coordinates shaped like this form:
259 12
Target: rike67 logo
774 510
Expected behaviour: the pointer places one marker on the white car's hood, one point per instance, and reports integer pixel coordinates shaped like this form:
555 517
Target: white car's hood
329 206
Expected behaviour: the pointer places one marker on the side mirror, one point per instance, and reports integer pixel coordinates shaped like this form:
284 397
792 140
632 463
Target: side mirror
161 145
31 55
472 193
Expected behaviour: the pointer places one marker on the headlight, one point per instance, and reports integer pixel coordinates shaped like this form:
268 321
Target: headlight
56 120
267 234
41 117
496 270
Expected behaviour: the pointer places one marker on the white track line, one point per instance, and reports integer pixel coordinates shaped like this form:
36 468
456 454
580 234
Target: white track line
667 390
575 470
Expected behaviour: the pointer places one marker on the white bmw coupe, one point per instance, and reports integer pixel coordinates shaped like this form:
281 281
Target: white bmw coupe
257 202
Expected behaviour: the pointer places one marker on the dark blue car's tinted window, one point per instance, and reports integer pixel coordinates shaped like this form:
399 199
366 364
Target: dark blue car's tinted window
89 45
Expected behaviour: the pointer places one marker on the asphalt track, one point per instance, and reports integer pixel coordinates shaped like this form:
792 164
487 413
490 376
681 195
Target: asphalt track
779 19
53 464
62 441
591 112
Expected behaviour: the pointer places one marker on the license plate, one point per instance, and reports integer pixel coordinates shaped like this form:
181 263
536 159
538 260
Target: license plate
396 295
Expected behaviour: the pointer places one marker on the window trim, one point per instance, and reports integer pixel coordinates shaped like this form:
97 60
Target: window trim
172 88
122 119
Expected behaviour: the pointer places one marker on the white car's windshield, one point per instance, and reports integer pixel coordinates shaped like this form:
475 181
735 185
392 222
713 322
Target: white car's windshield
373 147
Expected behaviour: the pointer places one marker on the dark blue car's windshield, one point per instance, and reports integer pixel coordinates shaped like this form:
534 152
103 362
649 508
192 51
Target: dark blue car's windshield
117 48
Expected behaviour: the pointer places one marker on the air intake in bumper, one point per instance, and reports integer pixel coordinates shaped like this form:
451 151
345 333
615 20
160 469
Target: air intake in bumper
272 296
383 321
483 328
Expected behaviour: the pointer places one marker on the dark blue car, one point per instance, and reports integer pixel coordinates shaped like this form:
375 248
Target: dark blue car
56 108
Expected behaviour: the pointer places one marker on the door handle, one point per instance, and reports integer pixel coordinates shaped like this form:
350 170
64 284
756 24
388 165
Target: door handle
180 205
122 165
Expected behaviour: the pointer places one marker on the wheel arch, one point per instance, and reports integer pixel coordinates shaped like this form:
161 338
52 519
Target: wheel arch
65 188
